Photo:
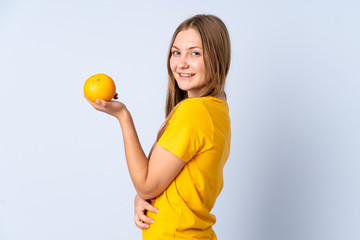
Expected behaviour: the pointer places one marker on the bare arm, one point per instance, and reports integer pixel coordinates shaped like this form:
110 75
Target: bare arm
150 177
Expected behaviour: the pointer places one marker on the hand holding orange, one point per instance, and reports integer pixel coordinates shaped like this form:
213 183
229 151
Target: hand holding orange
99 86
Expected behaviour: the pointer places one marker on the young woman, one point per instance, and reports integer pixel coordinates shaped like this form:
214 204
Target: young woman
184 170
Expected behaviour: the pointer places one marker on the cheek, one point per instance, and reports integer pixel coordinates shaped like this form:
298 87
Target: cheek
172 64
200 67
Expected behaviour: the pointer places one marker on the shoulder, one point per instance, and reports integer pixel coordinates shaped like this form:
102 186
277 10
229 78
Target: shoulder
192 109
191 104
201 106
189 129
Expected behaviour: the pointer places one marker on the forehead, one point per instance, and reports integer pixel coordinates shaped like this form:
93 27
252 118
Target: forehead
188 38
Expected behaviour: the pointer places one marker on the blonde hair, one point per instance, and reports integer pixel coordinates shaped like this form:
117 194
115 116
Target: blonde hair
217 57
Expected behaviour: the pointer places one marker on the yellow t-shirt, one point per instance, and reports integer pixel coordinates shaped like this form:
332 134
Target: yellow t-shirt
199 133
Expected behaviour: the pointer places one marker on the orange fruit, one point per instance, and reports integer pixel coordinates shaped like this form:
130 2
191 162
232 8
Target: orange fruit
99 86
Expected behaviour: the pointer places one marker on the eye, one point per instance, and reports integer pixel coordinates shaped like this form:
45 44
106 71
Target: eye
196 53
175 53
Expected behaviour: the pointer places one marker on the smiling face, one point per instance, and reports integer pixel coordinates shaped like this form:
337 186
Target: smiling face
187 62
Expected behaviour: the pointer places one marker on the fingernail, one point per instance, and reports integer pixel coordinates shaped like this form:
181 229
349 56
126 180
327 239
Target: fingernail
151 221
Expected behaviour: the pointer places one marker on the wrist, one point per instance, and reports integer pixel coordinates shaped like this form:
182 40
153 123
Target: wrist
122 114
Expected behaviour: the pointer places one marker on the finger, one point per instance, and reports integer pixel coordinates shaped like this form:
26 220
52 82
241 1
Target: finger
153 200
140 224
101 103
88 99
144 218
150 207
93 104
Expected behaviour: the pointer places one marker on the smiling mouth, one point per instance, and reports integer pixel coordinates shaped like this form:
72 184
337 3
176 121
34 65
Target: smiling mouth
186 74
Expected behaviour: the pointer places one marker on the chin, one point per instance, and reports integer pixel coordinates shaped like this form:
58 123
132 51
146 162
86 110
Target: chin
182 87
185 89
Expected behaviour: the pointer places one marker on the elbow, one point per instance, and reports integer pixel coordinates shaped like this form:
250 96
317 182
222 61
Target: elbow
147 193
146 196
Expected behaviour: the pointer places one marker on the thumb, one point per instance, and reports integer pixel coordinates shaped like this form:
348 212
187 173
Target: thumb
101 102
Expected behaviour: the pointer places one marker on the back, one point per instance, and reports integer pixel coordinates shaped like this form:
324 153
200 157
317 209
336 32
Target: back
199 133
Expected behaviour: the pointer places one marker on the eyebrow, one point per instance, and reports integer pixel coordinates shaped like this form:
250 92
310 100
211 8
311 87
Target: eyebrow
188 48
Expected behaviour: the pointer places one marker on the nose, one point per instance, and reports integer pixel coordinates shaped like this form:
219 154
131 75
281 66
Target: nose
183 62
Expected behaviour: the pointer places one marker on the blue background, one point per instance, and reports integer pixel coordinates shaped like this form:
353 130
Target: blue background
293 92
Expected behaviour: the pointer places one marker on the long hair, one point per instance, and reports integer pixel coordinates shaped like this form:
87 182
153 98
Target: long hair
217 57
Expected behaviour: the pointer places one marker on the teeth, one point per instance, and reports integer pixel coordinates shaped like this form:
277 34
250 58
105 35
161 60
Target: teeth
186 75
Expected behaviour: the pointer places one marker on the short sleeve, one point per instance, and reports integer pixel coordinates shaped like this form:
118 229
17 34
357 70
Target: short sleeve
189 130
